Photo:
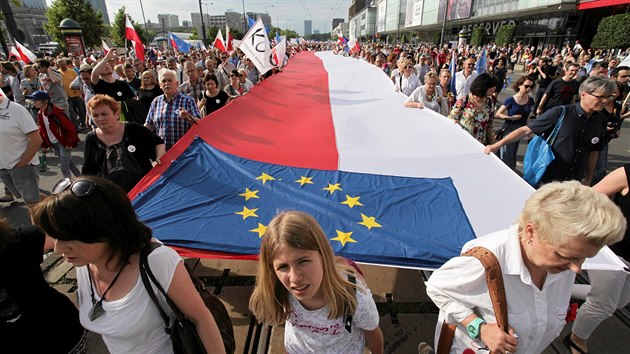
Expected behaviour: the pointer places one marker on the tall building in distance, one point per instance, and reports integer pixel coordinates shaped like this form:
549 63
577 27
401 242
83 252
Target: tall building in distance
235 20
336 22
100 5
266 19
308 27
196 22
36 4
170 20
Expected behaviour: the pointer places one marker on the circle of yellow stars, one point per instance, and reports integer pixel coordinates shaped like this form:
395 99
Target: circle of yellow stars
343 237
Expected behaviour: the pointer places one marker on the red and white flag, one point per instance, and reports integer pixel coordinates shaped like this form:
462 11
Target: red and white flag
26 55
219 43
353 45
228 39
132 35
14 52
105 47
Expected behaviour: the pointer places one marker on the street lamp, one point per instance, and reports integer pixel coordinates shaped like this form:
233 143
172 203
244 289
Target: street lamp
203 25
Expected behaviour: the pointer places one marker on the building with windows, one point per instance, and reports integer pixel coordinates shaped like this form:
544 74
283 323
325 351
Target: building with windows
186 23
538 22
195 18
169 20
343 28
29 19
336 22
308 27
266 19
217 21
99 5
235 20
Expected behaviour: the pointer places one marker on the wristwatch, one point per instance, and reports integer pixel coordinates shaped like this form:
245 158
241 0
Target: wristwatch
474 327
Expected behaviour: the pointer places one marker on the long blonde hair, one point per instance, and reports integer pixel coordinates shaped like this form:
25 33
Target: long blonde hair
270 299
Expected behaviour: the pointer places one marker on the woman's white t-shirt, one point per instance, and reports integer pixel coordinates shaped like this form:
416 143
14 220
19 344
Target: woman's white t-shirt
132 324
312 332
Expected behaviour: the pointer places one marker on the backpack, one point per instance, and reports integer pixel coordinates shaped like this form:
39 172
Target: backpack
120 166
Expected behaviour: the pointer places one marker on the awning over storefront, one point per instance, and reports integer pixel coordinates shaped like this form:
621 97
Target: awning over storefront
592 4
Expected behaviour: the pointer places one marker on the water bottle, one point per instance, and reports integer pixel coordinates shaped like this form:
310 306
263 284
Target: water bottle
42 162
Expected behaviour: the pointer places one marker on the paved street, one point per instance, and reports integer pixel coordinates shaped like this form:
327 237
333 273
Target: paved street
407 315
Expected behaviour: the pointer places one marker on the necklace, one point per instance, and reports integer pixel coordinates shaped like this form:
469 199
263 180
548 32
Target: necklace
97 306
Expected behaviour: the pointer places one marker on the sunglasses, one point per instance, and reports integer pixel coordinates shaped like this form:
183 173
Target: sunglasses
81 188
233 75
528 86
471 64
408 67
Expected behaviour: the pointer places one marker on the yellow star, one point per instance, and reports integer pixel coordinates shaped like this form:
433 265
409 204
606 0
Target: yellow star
304 180
249 194
260 229
265 177
369 222
352 201
343 237
332 188
247 212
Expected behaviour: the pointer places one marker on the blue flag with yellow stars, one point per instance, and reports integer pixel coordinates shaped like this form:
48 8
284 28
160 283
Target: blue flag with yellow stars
211 200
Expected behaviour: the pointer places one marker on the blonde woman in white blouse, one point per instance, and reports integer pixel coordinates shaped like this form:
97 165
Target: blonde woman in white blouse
429 96
407 81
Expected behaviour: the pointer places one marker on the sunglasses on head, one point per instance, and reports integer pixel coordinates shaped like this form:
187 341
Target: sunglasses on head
80 188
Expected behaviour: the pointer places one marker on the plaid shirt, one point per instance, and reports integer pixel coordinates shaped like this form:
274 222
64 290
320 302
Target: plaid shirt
193 90
164 116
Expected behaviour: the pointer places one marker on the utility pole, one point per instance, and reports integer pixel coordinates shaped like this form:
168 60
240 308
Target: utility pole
203 25
9 20
443 23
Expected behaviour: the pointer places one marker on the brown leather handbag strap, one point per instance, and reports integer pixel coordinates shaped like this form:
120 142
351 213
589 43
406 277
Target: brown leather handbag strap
494 280
496 289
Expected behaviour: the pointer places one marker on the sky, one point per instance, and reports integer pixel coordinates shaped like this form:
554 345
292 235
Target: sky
284 13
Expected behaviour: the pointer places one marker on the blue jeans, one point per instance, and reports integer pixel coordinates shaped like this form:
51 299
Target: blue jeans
22 182
65 161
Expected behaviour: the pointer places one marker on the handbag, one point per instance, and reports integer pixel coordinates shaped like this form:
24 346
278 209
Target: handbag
182 332
539 154
496 289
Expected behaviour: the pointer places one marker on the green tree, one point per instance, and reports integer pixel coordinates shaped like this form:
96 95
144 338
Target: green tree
505 34
612 32
476 39
212 33
91 21
193 35
118 29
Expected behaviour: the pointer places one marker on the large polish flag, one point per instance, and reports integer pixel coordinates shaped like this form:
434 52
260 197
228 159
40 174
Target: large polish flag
329 135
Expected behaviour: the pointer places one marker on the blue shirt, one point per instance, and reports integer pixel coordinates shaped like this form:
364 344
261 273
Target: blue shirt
164 115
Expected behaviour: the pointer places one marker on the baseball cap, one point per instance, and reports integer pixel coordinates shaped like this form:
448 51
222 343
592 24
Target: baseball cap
38 96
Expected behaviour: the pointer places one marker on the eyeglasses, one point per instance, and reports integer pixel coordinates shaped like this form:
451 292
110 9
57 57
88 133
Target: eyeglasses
603 98
470 64
81 188
408 67
528 86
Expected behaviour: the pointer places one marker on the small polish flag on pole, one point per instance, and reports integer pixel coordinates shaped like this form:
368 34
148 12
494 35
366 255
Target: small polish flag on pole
26 55
132 35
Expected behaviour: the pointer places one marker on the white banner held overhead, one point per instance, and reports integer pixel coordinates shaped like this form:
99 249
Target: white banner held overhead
255 45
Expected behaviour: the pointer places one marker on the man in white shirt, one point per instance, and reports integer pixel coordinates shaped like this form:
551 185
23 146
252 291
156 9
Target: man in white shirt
464 78
20 143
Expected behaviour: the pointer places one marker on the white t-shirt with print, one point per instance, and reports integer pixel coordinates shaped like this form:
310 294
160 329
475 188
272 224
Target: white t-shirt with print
312 332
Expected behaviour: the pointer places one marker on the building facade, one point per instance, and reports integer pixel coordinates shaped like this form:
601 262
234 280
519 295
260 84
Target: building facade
195 18
266 19
30 19
100 5
336 22
170 20
235 20
538 22
217 21
308 27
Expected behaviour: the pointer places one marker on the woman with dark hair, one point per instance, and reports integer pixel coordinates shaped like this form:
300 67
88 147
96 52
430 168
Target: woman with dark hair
515 111
30 310
235 88
475 112
500 71
95 228
213 97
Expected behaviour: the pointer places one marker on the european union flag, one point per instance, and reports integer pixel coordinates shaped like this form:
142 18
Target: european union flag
250 22
481 63
179 43
215 201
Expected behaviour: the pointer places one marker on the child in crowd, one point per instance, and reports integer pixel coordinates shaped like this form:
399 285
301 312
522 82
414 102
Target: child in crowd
327 307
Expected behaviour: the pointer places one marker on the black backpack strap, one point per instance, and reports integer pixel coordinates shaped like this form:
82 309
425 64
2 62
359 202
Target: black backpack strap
147 278
347 316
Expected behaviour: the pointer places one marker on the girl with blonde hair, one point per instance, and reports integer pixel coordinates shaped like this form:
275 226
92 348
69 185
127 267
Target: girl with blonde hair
325 305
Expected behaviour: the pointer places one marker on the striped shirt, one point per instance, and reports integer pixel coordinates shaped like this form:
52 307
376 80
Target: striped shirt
164 115
193 90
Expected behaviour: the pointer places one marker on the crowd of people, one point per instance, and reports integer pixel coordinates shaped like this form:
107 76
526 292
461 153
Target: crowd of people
134 111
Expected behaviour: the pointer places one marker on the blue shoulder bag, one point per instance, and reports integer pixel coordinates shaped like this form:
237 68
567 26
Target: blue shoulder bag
539 154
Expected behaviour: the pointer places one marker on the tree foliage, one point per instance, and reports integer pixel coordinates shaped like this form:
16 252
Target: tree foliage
612 32
91 21
118 29
505 34
476 39
212 33
193 35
